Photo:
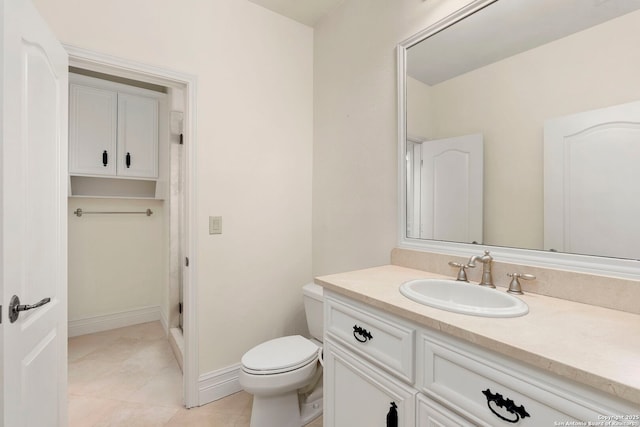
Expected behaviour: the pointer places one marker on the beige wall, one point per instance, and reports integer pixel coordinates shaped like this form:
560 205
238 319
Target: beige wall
509 101
419 109
254 134
116 262
355 128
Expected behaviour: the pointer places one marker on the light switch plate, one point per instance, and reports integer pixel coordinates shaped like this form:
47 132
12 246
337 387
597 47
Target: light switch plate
215 225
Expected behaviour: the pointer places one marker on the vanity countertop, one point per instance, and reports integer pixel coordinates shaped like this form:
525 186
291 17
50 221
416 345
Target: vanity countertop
595 346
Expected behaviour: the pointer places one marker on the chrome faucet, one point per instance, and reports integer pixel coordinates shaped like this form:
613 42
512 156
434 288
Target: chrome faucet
486 260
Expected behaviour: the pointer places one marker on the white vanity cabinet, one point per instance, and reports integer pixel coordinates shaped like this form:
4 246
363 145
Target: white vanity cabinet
369 362
113 129
373 358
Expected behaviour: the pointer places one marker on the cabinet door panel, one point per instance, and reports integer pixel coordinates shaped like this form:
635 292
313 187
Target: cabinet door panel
92 131
360 395
137 136
431 414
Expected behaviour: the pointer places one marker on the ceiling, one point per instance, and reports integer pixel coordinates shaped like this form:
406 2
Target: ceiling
307 12
503 29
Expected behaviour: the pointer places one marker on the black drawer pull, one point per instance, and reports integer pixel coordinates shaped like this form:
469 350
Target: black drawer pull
361 334
518 411
128 160
105 158
392 416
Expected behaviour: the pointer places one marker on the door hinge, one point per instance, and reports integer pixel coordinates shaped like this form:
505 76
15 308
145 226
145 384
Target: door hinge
0 314
180 307
186 261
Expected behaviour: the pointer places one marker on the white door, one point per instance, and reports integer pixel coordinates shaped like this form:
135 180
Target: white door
414 183
33 257
452 189
591 177
137 136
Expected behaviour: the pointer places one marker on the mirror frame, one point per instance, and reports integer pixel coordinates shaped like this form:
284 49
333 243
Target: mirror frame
615 267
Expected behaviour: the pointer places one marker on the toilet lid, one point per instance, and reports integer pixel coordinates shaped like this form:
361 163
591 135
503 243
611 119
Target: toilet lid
280 355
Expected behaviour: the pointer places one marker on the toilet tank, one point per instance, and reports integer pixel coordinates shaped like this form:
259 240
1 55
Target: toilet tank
314 309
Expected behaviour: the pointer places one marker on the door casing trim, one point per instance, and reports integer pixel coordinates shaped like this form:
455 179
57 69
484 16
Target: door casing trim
103 63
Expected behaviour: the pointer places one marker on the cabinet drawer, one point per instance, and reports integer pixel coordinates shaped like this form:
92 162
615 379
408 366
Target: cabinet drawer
380 338
482 386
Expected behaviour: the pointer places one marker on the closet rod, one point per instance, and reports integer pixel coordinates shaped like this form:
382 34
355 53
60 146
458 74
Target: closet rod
79 212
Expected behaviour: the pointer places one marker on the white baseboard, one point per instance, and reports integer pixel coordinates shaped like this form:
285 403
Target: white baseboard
218 384
164 321
106 322
176 341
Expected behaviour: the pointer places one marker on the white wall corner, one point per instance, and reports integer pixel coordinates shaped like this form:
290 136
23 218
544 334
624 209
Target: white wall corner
106 322
218 384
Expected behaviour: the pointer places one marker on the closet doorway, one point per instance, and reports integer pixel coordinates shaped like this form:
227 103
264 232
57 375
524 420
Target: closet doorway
131 217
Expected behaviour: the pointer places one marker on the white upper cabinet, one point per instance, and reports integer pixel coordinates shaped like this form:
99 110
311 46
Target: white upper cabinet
93 118
137 136
113 129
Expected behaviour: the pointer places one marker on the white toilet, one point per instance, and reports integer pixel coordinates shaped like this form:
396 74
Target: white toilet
284 374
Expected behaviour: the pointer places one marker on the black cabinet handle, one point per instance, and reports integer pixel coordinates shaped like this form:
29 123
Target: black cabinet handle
508 404
128 160
361 334
392 416
105 158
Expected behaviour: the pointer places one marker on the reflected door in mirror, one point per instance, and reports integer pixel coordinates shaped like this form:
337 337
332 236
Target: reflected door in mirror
591 182
445 189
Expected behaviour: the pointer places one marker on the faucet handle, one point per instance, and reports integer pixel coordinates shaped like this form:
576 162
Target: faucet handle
462 274
514 286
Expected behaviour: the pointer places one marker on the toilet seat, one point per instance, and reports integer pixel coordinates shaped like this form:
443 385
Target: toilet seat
280 355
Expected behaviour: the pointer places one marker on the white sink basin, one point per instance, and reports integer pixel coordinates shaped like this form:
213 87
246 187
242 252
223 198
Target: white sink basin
463 297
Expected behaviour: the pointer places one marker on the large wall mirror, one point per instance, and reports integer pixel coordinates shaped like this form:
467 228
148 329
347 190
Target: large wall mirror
520 128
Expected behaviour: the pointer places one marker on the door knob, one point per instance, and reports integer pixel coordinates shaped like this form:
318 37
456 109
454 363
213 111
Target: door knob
15 307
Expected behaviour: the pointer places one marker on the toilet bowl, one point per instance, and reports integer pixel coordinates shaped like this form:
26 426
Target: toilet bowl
284 375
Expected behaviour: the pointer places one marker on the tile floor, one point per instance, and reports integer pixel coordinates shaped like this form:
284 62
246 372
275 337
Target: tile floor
129 377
